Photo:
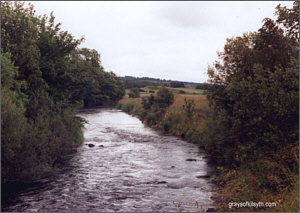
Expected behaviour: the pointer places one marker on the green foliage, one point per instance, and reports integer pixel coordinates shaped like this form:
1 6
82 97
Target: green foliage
9 74
164 98
189 107
150 118
44 78
127 107
255 104
167 126
177 85
119 106
147 102
190 134
134 93
289 18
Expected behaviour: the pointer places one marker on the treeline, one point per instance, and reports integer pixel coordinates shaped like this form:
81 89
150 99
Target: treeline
253 127
251 123
45 77
139 84
131 82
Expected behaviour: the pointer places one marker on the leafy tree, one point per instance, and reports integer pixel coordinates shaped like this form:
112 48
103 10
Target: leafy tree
147 102
44 78
134 92
289 18
164 98
19 34
55 47
255 99
189 107
9 82
177 85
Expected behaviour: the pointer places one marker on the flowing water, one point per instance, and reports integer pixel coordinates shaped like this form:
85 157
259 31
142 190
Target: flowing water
131 168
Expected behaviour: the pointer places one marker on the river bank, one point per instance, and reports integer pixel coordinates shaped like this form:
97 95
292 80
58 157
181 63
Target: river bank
186 118
130 168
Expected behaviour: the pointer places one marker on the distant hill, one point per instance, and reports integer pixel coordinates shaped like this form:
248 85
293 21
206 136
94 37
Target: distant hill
139 82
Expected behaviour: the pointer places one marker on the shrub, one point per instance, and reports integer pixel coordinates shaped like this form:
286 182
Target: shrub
167 126
119 106
127 107
189 107
164 98
150 118
134 93
143 114
147 102
190 134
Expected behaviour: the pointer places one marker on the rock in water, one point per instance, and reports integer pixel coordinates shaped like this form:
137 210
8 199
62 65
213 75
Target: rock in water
210 210
91 145
31 210
203 176
191 159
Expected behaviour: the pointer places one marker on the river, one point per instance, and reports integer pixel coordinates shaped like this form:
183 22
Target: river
131 168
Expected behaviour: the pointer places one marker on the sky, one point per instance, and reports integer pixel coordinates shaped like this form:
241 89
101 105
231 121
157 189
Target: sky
172 40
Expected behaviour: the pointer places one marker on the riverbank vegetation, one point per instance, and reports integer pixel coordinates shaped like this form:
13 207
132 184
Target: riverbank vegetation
249 119
45 77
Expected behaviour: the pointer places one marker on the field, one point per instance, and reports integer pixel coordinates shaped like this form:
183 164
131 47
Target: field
193 124
188 91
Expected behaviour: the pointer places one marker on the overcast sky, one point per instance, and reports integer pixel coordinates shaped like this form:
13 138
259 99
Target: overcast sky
161 39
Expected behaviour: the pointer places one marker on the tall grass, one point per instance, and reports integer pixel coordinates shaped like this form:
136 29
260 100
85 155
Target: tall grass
274 179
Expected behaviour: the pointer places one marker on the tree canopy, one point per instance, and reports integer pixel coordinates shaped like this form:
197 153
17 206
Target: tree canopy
45 77
256 95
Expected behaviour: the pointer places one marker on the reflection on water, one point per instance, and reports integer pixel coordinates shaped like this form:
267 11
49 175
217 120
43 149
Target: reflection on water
130 168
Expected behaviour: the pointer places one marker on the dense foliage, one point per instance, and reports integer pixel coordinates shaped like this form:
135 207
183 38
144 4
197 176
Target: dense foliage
251 123
256 99
253 127
45 77
134 92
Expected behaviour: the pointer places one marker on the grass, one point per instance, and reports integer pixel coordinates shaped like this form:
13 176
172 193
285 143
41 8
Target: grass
240 185
188 91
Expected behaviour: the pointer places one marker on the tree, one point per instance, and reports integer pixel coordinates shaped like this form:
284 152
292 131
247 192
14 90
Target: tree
257 81
164 98
148 102
134 92
289 18
19 34
44 78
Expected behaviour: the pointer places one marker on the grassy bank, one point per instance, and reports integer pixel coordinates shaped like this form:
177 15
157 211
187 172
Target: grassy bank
272 181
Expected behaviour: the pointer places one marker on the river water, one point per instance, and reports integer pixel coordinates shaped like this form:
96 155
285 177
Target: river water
131 168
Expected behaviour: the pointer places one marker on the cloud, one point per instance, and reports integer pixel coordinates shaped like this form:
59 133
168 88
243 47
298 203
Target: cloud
186 14
172 40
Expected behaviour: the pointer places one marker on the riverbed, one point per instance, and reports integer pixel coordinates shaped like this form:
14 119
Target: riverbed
130 168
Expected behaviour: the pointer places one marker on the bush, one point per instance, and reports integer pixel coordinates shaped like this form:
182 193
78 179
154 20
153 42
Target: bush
134 93
150 118
143 114
32 147
147 102
127 107
164 98
167 126
189 107
119 106
190 134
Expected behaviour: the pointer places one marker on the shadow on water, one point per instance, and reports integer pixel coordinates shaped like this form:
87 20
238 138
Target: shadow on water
130 167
